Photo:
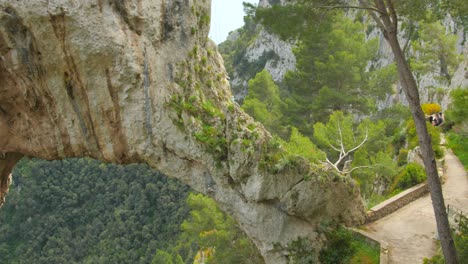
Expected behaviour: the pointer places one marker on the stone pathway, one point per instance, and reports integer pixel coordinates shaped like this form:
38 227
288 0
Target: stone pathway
410 231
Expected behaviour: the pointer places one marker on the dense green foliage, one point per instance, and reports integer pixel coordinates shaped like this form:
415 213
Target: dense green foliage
458 109
436 51
457 120
211 231
331 73
301 145
339 247
410 176
263 102
342 246
84 211
434 132
459 145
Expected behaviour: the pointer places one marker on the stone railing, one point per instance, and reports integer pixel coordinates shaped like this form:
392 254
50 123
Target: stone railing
396 202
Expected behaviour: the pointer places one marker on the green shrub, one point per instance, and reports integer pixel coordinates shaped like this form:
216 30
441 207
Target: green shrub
433 131
458 109
301 145
402 158
437 259
342 246
339 247
461 238
366 253
410 176
459 145
214 140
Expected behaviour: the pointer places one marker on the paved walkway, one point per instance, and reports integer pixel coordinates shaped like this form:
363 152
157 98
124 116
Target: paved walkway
410 231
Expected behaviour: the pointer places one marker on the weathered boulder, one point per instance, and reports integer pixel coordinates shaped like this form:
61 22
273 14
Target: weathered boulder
138 81
415 156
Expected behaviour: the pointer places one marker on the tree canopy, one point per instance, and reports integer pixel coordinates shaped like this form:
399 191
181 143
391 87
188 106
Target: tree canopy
84 211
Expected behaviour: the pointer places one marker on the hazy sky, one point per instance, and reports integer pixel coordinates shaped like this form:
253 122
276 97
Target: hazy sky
226 15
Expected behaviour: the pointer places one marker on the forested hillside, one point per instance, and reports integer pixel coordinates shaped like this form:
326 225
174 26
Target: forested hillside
84 211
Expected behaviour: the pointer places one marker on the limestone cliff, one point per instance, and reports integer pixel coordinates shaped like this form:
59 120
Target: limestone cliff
431 88
265 51
256 49
138 81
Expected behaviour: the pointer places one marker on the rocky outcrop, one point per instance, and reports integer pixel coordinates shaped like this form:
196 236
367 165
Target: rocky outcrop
415 156
432 89
275 55
262 50
138 81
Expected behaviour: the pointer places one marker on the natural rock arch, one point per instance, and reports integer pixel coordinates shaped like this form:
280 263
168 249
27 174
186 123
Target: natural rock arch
138 81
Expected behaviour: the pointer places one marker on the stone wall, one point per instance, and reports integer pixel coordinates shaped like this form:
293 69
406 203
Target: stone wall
396 202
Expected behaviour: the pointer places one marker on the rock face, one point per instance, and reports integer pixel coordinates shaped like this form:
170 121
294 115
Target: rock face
138 81
415 156
281 62
262 49
430 88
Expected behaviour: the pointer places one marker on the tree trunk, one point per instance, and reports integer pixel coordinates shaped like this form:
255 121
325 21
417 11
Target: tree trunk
411 91
444 68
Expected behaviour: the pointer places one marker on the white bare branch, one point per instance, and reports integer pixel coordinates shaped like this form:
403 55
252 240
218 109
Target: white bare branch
333 147
341 138
333 165
343 153
360 145
363 167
